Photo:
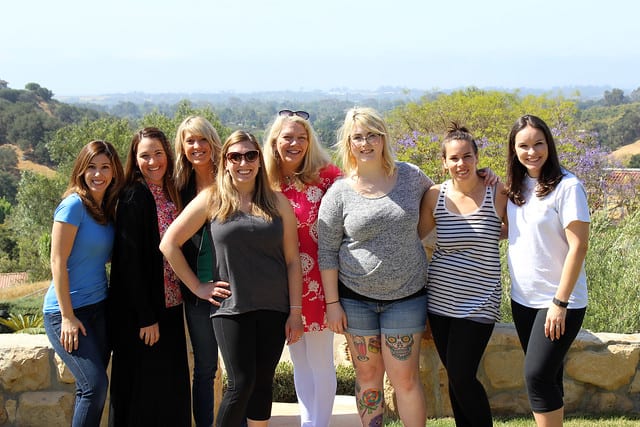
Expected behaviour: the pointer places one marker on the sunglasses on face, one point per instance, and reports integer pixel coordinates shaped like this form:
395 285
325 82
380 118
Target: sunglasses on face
290 113
249 156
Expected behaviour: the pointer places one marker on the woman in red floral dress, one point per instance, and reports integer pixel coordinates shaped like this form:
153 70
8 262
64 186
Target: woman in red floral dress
298 166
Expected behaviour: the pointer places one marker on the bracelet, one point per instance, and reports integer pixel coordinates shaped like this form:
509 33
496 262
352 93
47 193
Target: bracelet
559 303
295 306
332 302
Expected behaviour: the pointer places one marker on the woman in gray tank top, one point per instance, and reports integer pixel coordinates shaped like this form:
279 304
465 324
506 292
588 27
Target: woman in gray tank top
257 298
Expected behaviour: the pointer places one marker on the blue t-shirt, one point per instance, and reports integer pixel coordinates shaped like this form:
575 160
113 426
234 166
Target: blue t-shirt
90 252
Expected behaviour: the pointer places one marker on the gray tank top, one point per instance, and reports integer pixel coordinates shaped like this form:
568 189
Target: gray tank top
249 255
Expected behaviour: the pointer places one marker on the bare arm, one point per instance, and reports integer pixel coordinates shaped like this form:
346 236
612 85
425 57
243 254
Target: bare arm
294 327
62 237
336 318
190 220
577 233
501 209
427 221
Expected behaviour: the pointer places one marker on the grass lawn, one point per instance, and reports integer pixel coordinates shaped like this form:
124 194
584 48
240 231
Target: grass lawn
613 421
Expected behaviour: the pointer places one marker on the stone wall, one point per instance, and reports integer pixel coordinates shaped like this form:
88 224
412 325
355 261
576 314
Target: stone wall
602 376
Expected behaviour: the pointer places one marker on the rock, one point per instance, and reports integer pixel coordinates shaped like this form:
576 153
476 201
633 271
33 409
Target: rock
44 408
24 363
609 368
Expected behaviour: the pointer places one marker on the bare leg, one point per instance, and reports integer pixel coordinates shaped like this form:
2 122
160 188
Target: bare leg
549 419
367 362
401 360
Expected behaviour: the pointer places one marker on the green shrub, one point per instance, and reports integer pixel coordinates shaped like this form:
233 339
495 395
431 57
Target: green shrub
24 324
284 389
346 376
612 274
30 305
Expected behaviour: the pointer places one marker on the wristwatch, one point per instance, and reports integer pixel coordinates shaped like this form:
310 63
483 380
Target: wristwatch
559 303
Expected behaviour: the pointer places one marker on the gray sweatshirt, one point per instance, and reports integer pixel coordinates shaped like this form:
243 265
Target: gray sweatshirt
374 242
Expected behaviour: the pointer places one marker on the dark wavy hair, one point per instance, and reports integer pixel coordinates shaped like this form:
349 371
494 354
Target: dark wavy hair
133 173
551 173
104 212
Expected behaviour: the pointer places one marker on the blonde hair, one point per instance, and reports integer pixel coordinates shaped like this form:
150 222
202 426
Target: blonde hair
224 201
314 160
198 126
371 121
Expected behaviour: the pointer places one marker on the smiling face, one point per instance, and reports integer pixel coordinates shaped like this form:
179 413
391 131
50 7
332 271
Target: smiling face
244 171
532 150
197 149
365 145
460 160
292 144
98 176
151 160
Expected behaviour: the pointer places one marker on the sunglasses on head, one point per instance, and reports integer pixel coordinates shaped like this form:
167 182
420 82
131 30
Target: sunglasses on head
249 156
290 113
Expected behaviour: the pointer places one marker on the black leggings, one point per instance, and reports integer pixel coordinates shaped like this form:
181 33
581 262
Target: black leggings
461 344
250 344
544 358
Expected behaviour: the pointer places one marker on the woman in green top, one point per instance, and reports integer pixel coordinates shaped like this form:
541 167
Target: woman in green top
197 147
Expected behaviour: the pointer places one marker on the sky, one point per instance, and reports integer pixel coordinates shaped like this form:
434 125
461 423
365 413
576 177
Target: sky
86 47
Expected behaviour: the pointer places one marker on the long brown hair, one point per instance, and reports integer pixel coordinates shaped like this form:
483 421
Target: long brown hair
224 201
105 212
133 173
550 174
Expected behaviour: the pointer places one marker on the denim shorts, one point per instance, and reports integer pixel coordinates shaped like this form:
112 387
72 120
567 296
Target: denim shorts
368 318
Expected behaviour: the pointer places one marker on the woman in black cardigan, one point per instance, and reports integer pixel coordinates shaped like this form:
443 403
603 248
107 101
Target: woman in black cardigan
150 379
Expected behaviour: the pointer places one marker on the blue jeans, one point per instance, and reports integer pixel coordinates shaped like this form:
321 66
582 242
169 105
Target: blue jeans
205 357
402 317
88 363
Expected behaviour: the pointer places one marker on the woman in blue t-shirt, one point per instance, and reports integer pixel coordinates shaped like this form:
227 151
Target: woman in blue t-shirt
74 306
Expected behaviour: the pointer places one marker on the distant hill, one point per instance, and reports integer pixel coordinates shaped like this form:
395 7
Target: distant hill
624 153
342 94
24 164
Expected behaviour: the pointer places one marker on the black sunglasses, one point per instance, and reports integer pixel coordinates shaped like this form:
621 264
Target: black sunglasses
249 156
290 113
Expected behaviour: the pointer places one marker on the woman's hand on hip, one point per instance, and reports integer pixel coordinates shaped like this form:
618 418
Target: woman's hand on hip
213 292
69 331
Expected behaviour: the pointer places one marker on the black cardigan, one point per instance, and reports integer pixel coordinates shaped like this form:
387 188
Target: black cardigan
137 269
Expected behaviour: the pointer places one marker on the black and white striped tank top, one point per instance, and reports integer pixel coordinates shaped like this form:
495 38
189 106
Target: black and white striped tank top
464 272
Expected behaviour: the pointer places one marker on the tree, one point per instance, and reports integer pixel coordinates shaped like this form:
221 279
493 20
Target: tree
66 143
30 221
614 97
418 129
634 161
634 96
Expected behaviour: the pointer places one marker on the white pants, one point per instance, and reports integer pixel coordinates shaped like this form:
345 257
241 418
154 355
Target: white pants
315 377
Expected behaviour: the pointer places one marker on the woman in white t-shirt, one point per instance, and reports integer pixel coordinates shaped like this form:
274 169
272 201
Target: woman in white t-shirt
548 238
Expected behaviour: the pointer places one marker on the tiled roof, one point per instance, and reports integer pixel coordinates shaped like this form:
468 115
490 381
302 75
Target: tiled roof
10 279
623 176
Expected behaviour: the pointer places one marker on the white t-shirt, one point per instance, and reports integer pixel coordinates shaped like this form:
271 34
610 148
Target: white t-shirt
538 245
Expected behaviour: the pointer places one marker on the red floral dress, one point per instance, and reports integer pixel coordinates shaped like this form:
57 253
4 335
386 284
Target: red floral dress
167 212
306 203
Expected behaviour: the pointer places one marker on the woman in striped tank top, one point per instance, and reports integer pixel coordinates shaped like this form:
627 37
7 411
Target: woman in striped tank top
463 287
